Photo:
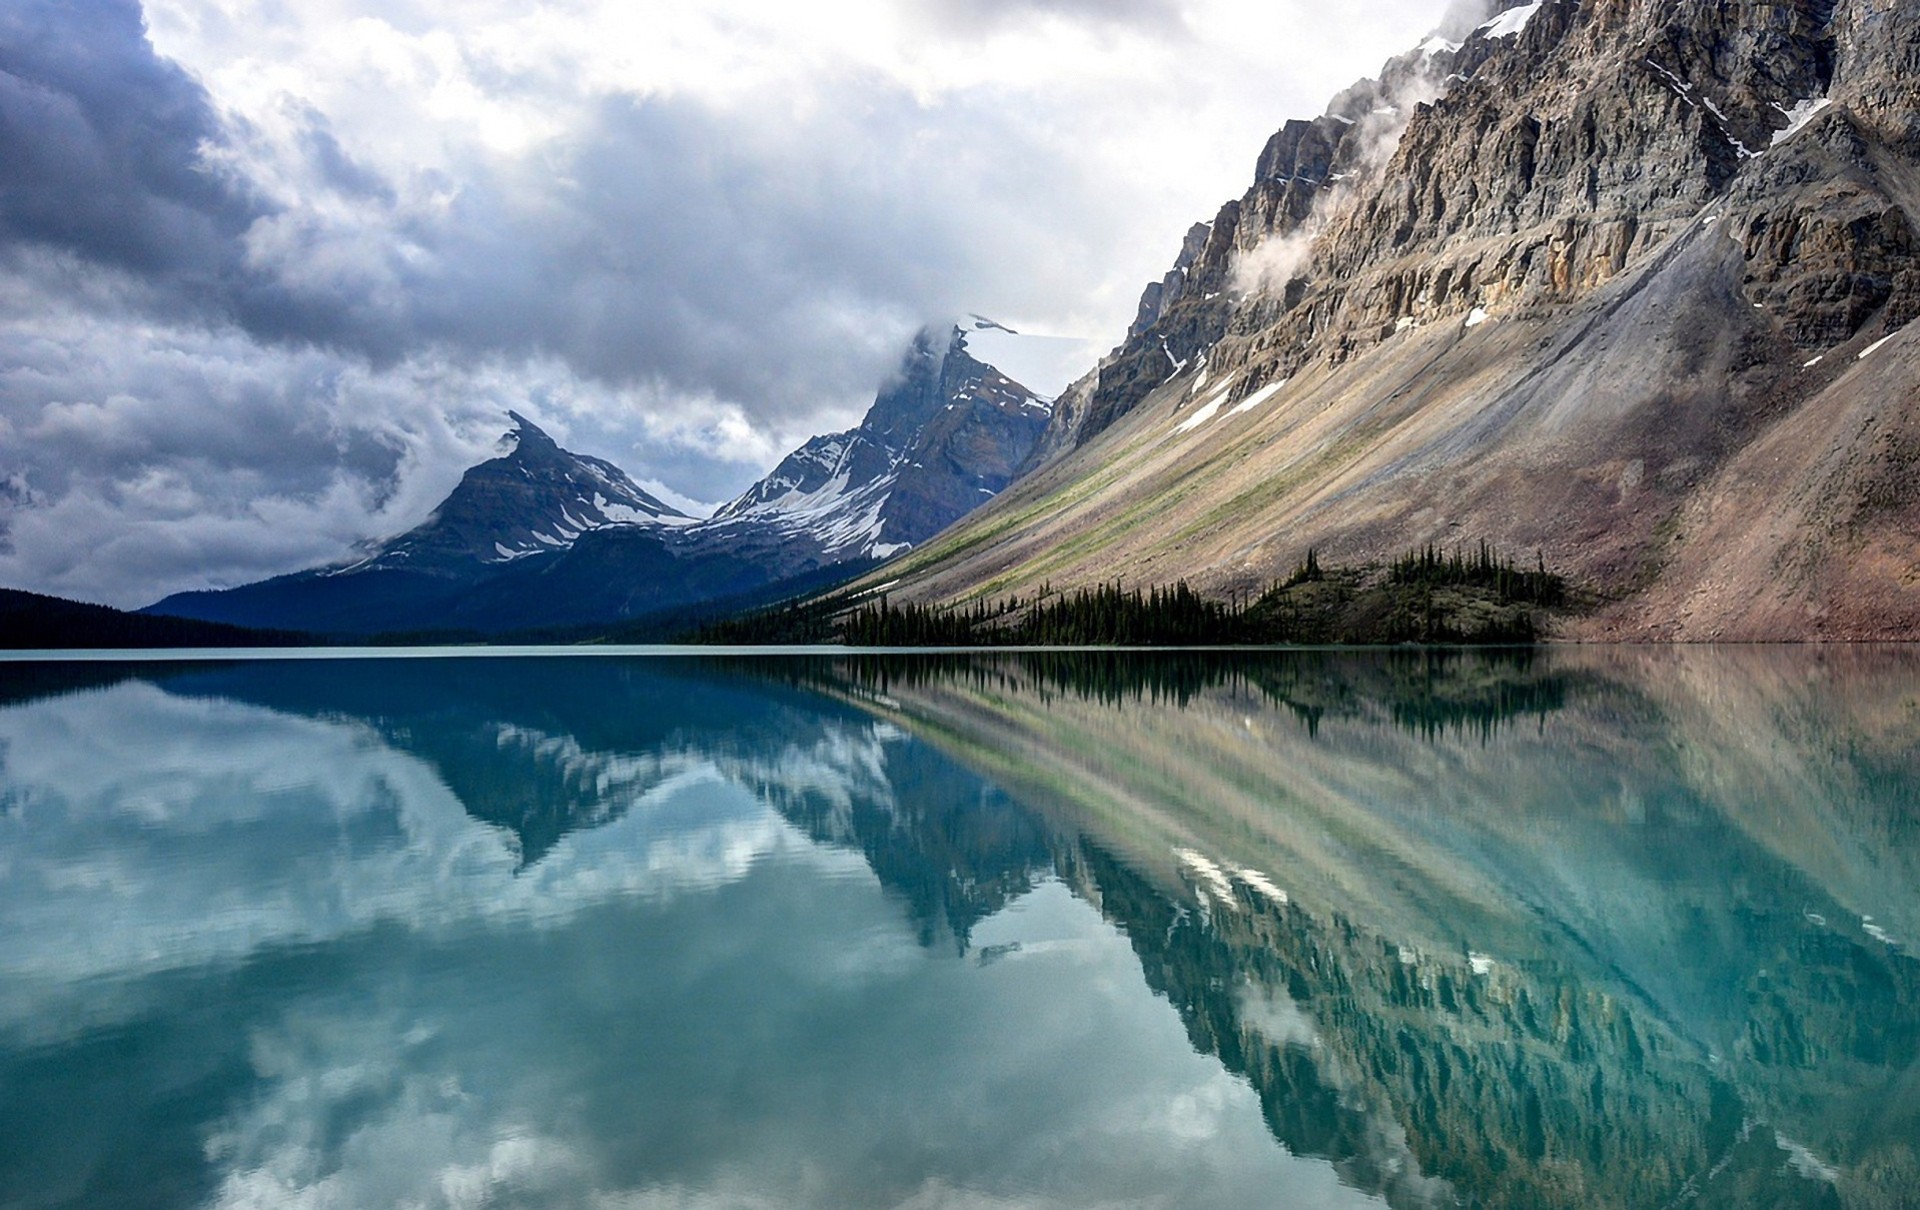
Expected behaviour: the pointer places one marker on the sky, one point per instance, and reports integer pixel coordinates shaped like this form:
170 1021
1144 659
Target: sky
271 274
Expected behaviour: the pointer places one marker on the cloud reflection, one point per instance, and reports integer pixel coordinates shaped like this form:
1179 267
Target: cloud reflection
376 1000
144 831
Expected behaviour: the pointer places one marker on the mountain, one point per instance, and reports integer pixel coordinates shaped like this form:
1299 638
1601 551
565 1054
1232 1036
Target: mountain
508 519
1626 282
543 538
942 439
534 499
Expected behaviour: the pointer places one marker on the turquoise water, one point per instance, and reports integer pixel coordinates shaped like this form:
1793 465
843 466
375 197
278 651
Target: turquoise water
1607 927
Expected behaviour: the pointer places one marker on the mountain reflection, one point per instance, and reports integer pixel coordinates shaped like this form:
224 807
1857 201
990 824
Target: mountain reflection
1651 947
1568 928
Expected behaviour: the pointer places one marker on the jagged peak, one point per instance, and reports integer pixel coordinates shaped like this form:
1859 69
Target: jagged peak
526 437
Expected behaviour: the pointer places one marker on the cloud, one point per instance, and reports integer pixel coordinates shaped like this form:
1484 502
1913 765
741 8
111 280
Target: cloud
771 256
1378 117
1268 266
1157 16
101 149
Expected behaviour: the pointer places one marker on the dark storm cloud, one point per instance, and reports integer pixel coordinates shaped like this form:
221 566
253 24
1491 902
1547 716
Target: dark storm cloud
772 265
769 260
100 149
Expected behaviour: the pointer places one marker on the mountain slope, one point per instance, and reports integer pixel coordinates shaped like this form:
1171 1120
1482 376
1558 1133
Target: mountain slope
1632 287
528 506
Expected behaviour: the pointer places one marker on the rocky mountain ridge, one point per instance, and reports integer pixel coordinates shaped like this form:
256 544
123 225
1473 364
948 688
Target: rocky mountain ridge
1625 282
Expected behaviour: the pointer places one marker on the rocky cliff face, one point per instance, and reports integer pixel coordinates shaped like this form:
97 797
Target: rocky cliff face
1609 280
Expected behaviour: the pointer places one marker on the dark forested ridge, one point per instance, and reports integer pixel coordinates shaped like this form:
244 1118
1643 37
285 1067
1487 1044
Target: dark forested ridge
29 620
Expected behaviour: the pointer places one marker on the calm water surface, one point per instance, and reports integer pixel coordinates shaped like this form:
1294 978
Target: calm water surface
1586 928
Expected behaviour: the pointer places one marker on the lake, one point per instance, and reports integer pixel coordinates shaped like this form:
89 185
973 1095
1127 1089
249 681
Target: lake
1573 927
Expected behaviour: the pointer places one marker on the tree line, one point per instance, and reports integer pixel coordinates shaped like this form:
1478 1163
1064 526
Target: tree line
1424 596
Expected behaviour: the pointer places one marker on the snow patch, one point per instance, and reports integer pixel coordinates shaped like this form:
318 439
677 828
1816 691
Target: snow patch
1212 875
1476 317
1481 964
621 514
1510 22
1873 348
1808 365
1726 129
1805 1162
1258 397
1203 413
1437 45
1179 366
1680 87
1261 883
1798 117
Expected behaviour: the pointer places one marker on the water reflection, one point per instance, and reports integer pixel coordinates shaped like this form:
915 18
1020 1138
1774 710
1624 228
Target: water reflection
1581 928
1602 928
